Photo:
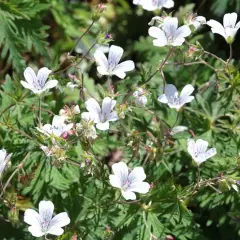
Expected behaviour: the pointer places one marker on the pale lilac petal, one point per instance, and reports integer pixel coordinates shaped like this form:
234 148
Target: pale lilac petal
170 91
170 26
163 98
30 76
50 84
108 105
94 109
112 116
114 56
129 195
101 60
102 126
137 175
60 220
183 32
191 147
201 146
115 181
42 75
123 67
121 171
46 210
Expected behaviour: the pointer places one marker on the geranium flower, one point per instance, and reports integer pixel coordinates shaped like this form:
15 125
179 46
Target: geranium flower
140 98
57 128
178 129
170 33
152 5
229 28
103 116
38 83
42 223
128 181
4 158
110 66
198 150
171 97
196 21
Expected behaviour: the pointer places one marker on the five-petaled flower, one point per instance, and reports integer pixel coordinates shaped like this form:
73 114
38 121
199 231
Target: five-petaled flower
128 181
38 83
42 223
57 128
140 98
229 28
198 150
152 5
110 66
4 158
101 116
170 33
171 97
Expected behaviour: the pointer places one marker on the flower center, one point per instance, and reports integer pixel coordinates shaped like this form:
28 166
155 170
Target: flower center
126 185
175 100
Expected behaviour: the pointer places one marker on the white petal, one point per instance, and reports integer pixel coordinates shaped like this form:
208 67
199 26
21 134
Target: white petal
205 156
47 128
60 220
115 181
46 210
114 56
124 67
119 74
108 105
102 71
187 91
183 31
50 84
94 109
27 85
32 218
201 19
216 27
101 59
30 76
156 32
86 116
140 187
36 231
170 26
57 120
112 116
102 126
201 146
55 231
160 42
42 75
178 41
137 175
229 20
170 91
121 171
169 4
191 147
76 109
178 129
3 154
163 98
129 195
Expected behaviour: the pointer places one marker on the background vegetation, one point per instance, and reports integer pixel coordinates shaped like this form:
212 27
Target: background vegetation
41 33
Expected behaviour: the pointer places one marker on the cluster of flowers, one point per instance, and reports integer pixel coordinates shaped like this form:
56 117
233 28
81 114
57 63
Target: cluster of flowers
166 33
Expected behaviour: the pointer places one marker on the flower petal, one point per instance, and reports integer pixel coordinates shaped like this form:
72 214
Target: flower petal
32 218
229 20
46 210
182 32
123 67
170 26
42 75
121 171
163 98
107 105
36 231
60 220
50 84
114 56
201 146
115 181
102 71
94 109
216 27
27 85
30 76
140 187
101 59
55 231
191 146
187 91
128 195
169 4
112 116
137 175
102 126
170 91
178 41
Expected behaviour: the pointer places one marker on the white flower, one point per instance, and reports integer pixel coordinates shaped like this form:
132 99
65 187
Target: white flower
169 34
128 181
48 151
171 97
42 223
110 66
103 116
178 129
4 158
57 128
152 5
229 28
140 98
196 21
38 83
199 151
71 86
158 20
69 112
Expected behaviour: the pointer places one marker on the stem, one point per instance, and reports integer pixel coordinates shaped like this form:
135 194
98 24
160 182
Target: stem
40 112
79 39
176 119
231 53
213 55
130 202
110 86
198 177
